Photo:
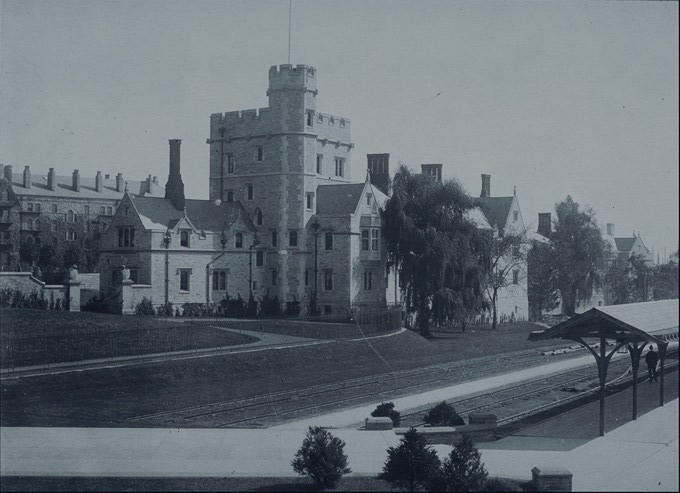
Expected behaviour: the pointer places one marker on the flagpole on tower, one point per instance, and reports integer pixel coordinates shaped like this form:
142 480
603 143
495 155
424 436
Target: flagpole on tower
290 11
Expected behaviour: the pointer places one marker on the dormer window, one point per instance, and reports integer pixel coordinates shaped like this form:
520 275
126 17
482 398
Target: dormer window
238 240
369 196
184 239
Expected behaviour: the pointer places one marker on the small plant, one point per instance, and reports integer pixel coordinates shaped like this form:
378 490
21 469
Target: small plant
443 414
386 409
321 458
292 308
144 307
269 306
463 470
412 465
165 310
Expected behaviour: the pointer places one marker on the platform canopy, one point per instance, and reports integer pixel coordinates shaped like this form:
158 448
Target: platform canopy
653 321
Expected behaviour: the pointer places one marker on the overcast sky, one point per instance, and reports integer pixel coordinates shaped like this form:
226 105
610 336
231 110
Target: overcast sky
554 98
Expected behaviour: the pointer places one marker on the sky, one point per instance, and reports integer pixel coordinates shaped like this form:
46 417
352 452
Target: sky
553 98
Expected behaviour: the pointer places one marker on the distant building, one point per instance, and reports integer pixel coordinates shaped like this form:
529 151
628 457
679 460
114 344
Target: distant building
8 227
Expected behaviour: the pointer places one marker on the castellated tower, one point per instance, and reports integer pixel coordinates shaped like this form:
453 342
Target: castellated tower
272 160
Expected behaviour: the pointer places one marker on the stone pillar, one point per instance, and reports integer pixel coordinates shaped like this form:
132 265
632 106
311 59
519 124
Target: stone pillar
551 479
73 288
127 297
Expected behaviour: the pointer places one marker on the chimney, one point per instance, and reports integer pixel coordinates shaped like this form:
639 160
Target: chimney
98 182
155 179
610 229
486 186
379 168
51 179
174 188
8 172
149 185
544 224
120 184
432 170
27 176
76 180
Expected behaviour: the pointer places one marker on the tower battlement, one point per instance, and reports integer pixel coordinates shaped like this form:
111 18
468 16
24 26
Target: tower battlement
286 77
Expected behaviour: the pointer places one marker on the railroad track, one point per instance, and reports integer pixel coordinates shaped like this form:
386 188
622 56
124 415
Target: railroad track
280 406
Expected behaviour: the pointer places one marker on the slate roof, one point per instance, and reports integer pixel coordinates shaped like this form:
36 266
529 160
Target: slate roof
338 199
205 215
64 187
477 217
496 209
624 244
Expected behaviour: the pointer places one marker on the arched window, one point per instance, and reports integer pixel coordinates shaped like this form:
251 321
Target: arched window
258 217
238 240
292 239
69 217
329 241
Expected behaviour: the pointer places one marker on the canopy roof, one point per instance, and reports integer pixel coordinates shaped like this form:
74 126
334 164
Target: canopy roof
653 321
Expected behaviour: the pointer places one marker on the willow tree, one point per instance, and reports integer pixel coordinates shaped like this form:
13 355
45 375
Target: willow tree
579 254
439 252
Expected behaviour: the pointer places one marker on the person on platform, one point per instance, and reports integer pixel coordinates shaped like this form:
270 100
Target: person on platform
652 359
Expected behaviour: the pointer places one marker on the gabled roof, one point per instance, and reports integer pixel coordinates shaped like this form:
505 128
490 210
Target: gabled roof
651 321
338 199
64 187
477 217
496 209
624 244
204 215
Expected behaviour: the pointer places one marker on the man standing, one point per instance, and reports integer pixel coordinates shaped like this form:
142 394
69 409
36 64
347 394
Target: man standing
652 359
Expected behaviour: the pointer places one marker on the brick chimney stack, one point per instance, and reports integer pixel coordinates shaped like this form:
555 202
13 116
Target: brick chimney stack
51 180
486 186
99 182
379 168
120 184
76 180
28 182
8 172
149 185
174 188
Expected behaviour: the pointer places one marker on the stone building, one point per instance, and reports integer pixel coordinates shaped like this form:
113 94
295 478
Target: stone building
8 227
60 209
280 163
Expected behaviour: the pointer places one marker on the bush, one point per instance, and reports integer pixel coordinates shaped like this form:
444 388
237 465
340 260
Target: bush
193 310
251 307
321 458
97 304
443 414
463 470
270 307
386 409
165 310
234 307
292 308
413 465
144 307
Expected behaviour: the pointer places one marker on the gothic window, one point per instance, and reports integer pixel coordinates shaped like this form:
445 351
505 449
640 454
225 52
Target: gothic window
238 240
184 280
319 162
364 239
230 163
219 280
293 239
258 217
249 192
230 195
339 167
69 217
375 239
259 154
275 238
126 237
310 201
329 241
310 118
184 239
259 258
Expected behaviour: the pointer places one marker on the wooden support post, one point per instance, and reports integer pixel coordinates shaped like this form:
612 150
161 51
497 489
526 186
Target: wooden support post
602 370
635 352
662 358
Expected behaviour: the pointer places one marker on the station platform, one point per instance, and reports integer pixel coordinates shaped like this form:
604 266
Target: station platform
639 455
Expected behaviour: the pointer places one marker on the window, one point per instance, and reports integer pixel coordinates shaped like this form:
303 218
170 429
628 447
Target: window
331 121
275 277
70 235
87 210
54 208
230 163
249 191
306 278
275 238
319 117
259 154
310 118
53 227
102 209
319 161
29 207
126 211
230 195
364 239
109 211
310 201
329 241
292 239
339 166
70 217
328 280
219 280
515 277
126 237
368 280
259 258
515 215
184 239
342 123
258 217
185 280
238 240
369 196
375 236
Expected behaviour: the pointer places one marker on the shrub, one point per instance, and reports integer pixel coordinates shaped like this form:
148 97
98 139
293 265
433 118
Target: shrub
6 298
413 465
234 307
321 458
165 310
251 307
443 414
193 310
292 308
270 307
144 307
463 470
97 304
386 409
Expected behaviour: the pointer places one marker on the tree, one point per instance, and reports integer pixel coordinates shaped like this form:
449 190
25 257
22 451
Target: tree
438 251
463 470
541 280
413 465
443 414
665 281
29 251
579 253
321 458
386 410
628 280
508 253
